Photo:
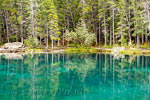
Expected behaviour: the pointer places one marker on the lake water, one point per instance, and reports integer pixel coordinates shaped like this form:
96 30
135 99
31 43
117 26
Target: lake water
75 77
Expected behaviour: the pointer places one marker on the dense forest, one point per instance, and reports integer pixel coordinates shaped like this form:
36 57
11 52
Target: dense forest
78 22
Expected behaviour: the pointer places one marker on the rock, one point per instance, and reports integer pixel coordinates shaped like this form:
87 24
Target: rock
58 51
118 49
116 52
14 45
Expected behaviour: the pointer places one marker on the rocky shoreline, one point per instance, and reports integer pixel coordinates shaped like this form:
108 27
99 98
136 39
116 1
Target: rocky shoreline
117 52
18 47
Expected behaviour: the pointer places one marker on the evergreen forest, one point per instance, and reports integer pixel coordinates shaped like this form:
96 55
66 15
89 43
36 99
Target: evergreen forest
45 23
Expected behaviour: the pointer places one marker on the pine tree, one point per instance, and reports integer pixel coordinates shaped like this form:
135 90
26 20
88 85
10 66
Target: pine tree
50 15
122 24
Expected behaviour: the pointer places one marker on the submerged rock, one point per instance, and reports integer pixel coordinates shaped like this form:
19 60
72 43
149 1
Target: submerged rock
118 56
14 56
58 51
14 45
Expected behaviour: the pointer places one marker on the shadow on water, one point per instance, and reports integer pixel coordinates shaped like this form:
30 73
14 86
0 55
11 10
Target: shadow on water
75 77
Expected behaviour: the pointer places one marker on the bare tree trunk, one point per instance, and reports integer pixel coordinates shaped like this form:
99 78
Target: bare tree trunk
142 39
105 31
58 43
40 40
68 43
52 44
32 17
99 27
138 45
113 15
6 22
1 27
63 38
130 39
21 23
148 19
83 6
99 34
110 37
22 34
47 37
146 39
121 34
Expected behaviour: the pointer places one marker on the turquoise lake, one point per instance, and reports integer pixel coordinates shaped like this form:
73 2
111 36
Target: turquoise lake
75 77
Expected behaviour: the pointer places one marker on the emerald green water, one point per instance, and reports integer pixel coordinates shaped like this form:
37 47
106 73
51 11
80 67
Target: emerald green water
75 77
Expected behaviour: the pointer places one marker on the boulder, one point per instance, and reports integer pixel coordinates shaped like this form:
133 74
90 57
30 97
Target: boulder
118 49
116 52
14 45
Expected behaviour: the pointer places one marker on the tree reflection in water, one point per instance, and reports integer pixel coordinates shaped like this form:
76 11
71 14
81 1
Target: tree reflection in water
75 77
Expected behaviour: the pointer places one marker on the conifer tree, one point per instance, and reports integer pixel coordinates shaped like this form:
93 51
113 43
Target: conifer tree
51 19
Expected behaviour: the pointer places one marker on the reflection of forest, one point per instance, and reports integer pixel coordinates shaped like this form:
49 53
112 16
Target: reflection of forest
78 76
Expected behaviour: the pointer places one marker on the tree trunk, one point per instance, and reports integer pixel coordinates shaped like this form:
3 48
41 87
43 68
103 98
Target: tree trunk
6 22
113 26
142 39
121 34
130 39
58 43
138 45
146 39
63 38
21 23
52 44
99 34
148 20
110 37
32 17
40 41
47 37
105 31
83 6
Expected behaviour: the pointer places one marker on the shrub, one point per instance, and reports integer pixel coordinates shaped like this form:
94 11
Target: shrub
31 42
81 35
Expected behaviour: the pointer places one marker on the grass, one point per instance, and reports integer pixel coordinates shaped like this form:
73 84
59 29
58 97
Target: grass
87 50
131 51
135 52
81 50
145 46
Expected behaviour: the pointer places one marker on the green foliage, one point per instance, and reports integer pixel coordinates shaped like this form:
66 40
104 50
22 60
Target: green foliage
68 35
81 35
107 21
31 42
74 45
